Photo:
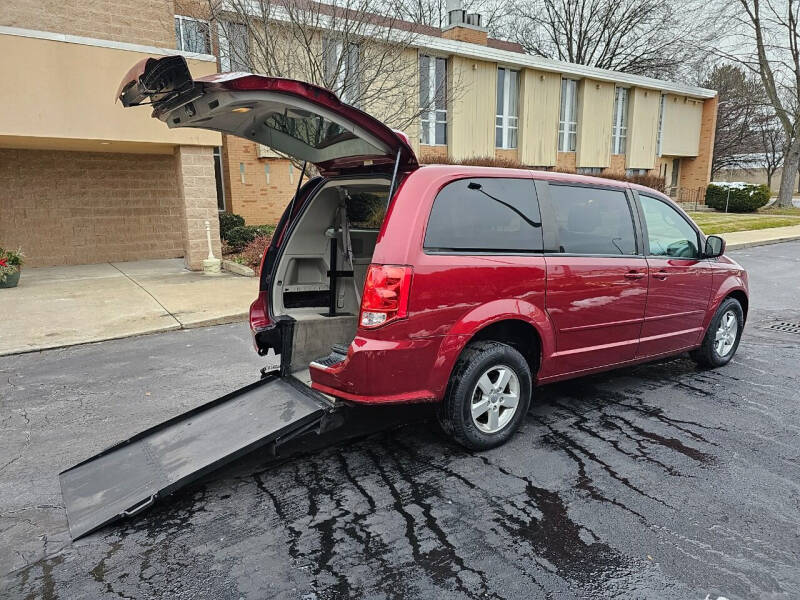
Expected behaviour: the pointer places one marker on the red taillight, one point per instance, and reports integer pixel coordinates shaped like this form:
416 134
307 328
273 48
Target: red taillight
385 297
259 319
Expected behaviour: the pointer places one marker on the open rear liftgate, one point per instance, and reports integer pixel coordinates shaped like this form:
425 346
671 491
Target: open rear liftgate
130 476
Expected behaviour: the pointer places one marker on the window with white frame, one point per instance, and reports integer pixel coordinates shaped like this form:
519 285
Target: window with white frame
433 100
660 135
342 62
568 119
507 119
234 47
192 35
619 128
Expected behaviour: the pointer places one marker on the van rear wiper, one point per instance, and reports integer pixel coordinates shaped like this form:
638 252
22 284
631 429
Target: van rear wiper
477 186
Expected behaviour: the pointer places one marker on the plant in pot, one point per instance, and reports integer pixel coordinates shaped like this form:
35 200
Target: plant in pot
10 267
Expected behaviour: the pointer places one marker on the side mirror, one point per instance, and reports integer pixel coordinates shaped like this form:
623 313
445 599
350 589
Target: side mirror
715 246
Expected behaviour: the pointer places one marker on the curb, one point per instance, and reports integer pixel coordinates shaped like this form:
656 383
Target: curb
177 326
243 270
741 245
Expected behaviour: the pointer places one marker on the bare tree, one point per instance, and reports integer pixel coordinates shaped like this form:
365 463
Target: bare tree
344 47
765 38
649 37
773 143
741 102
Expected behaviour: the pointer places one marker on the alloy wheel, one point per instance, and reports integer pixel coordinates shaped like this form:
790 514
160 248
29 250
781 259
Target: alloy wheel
725 337
495 399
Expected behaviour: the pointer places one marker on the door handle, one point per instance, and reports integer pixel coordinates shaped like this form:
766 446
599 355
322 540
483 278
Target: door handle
661 275
634 275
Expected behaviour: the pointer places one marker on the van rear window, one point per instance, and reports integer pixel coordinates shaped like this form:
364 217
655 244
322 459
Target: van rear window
592 220
485 215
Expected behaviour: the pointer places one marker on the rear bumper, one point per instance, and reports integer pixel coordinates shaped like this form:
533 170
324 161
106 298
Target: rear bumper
384 372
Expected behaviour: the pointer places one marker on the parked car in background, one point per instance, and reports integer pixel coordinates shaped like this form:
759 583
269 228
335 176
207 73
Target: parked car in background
391 282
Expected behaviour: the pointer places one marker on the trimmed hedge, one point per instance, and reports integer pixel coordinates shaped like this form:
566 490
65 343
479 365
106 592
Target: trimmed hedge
744 197
239 237
228 221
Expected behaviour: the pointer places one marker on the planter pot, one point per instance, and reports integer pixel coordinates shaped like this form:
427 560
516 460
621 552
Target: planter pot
11 280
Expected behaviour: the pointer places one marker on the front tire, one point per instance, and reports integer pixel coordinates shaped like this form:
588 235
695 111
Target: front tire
487 397
722 337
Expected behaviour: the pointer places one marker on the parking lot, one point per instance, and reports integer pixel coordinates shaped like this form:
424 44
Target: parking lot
657 481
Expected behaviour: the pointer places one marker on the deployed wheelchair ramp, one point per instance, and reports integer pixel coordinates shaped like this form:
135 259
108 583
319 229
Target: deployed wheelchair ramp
129 477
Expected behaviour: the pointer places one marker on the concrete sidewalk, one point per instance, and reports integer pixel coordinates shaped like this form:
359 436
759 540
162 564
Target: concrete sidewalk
761 237
62 306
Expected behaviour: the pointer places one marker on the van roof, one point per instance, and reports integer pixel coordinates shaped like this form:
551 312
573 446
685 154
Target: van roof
556 176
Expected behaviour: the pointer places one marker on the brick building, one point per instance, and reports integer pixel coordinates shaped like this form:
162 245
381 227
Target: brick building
83 180
554 115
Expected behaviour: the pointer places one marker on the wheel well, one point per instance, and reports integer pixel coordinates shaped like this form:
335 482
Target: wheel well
518 334
742 298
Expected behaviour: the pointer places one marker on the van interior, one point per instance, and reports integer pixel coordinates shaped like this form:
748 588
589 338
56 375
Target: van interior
320 274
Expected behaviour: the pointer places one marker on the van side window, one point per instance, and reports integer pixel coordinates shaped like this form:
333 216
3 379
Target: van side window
593 220
485 215
668 233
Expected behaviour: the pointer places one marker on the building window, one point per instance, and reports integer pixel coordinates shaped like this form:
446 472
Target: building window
635 172
507 119
218 178
433 100
191 35
341 69
660 135
619 129
589 170
234 47
568 121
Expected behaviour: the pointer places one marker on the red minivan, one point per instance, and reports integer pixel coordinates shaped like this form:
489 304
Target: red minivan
388 281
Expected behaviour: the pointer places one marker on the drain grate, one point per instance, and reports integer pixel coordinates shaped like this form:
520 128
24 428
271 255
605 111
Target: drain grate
785 326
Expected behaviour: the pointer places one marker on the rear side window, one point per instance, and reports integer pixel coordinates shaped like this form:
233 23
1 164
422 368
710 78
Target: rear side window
485 215
593 220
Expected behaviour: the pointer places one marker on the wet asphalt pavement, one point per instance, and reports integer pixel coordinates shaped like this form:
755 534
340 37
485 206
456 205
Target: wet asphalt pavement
659 481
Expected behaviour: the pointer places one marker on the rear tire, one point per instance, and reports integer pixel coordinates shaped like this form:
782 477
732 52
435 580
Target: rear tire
487 397
722 336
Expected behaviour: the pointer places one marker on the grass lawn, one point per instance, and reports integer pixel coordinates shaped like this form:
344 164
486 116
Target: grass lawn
719 222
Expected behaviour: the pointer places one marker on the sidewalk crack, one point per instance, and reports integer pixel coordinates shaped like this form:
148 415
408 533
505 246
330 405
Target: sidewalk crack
146 291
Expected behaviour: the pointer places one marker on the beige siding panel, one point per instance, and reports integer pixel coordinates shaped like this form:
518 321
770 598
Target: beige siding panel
681 127
472 97
540 97
391 93
66 91
595 108
642 128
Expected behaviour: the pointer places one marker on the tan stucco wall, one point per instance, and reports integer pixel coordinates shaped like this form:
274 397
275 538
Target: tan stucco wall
472 98
642 128
595 108
57 91
681 128
540 94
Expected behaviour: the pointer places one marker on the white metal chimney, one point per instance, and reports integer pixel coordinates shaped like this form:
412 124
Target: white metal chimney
456 14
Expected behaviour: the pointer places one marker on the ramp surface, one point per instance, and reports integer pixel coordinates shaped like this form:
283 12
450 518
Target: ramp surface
129 477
